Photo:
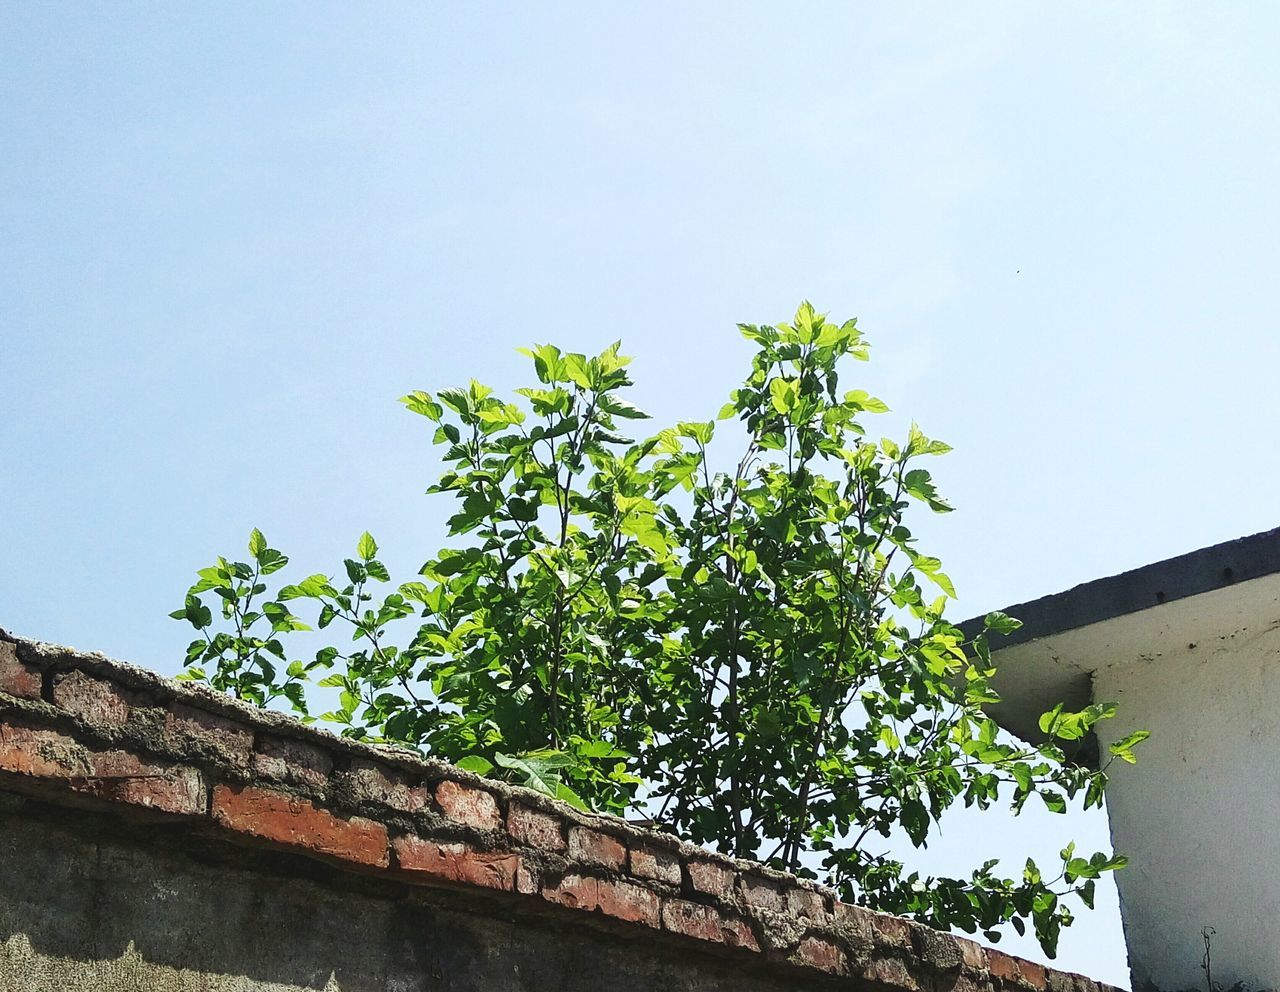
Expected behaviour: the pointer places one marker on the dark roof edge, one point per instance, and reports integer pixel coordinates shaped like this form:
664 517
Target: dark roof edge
1196 572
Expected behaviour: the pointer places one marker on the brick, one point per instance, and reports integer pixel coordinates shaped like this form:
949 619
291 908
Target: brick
1003 967
1033 975
651 861
41 753
208 736
892 932
973 954
121 777
596 848
369 781
528 880
620 900
807 903
692 919
628 901
454 862
821 954
1058 981
711 879
95 701
940 951
1016 972
295 822
467 804
17 679
763 894
891 971
534 828
575 892
295 762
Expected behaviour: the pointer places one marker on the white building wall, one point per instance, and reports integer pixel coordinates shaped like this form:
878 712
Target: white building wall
1199 816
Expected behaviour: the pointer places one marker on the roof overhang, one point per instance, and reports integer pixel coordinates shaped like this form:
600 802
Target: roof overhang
1141 614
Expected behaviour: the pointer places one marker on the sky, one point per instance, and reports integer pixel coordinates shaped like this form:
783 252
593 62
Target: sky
232 235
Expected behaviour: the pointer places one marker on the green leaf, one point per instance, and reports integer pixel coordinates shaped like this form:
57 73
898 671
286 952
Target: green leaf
1000 623
618 407
257 543
784 394
538 770
1123 748
865 401
421 403
475 763
367 547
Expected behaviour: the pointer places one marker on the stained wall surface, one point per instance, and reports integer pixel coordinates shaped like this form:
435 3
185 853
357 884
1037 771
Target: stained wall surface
89 903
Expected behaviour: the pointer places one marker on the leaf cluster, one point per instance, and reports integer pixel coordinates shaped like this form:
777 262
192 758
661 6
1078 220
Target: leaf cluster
755 657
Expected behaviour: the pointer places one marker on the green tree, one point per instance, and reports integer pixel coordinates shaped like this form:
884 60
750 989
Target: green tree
757 658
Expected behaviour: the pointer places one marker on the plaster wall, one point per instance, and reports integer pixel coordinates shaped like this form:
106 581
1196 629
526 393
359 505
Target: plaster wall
89 903
1199 815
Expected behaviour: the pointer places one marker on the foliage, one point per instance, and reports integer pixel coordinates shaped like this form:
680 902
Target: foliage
756 658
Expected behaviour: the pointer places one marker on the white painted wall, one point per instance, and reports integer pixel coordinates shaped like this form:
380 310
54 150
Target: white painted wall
1199 816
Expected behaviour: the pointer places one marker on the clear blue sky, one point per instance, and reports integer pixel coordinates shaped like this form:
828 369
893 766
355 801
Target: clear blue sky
231 236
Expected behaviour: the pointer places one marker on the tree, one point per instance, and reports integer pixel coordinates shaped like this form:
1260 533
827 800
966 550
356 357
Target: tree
756 658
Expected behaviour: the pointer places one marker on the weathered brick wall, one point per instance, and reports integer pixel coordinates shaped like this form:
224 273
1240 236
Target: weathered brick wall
162 834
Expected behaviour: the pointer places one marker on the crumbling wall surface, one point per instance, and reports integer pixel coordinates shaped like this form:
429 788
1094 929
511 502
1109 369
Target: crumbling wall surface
87 902
155 836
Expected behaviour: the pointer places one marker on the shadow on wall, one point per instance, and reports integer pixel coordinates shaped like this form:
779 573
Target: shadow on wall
88 902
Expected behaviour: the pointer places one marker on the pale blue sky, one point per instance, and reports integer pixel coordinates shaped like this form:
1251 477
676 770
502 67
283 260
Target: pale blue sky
231 236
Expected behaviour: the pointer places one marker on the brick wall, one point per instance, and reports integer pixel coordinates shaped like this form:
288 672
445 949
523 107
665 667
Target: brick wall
151 765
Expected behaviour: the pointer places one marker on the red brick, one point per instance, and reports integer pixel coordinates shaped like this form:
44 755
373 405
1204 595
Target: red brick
711 878
208 735
372 782
297 823
628 901
534 828
121 777
738 934
806 903
1003 967
17 679
1033 974
651 861
886 930
1015 972
821 954
452 862
621 900
891 971
857 915
294 762
706 923
527 879
95 701
763 894
596 848
466 804
973 954
41 753
574 891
